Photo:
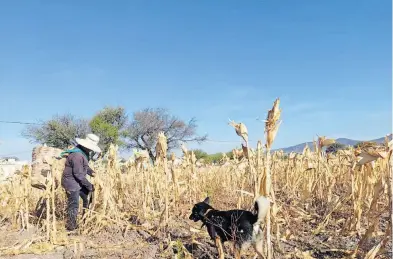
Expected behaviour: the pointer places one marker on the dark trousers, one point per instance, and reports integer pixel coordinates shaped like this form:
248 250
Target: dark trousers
73 207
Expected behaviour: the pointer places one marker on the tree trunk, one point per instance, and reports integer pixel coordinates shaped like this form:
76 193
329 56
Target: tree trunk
152 157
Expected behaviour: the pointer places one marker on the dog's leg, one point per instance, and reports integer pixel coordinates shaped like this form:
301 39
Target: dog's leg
219 247
259 249
258 241
238 252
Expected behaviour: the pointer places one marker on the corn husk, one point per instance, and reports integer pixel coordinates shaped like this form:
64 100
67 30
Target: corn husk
272 123
368 152
328 142
324 142
343 152
364 158
241 129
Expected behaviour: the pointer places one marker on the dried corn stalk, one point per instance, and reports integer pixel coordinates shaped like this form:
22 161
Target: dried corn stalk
224 158
186 154
272 124
173 157
184 148
237 154
161 152
161 148
387 141
193 158
306 150
141 158
245 152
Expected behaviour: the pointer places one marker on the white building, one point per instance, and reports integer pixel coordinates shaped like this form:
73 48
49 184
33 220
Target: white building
8 167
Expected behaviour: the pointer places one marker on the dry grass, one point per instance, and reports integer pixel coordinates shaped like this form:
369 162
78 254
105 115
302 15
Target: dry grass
324 208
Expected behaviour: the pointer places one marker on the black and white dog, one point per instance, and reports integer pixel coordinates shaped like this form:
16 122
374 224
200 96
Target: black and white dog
239 226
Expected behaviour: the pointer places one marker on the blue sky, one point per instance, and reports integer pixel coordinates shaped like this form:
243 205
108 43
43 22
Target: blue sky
328 61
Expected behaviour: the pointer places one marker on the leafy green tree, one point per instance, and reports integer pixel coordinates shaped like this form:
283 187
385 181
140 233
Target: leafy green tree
210 158
215 157
108 124
229 154
59 132
200 154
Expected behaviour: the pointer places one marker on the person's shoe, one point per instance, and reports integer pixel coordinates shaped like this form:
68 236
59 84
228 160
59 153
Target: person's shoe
72 228
72 232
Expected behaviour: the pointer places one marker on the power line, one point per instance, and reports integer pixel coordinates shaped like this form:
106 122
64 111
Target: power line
20 122
226 141
222 141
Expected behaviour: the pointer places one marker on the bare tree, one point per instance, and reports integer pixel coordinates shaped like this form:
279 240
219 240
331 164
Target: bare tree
142 132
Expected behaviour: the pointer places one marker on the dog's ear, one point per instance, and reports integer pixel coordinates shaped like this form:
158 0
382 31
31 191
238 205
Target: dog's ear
207 200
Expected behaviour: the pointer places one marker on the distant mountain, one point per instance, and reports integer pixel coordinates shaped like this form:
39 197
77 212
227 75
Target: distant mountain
349 142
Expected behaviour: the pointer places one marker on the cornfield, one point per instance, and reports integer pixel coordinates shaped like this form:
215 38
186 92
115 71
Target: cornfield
323 207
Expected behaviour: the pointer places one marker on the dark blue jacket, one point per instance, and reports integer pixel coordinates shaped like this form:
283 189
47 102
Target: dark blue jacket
74 175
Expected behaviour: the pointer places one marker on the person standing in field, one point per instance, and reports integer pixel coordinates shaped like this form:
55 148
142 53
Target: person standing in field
74 177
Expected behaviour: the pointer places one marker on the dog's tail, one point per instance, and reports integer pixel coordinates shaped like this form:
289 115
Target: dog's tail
262 206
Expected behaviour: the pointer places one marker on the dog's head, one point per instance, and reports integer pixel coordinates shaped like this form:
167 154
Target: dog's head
199 210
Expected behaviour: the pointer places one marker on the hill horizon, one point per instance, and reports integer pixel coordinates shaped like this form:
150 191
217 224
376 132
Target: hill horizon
345 141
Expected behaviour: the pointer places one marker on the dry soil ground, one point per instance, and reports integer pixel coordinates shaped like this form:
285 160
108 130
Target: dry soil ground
178 241
184 237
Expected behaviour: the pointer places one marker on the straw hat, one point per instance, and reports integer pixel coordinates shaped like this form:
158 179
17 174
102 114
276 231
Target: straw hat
90 142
